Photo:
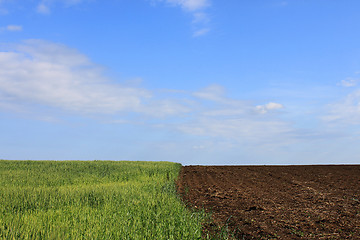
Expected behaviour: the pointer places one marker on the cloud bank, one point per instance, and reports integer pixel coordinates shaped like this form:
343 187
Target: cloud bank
36 74
51 74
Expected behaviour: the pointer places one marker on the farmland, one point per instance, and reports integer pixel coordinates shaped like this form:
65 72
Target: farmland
138 200
276 202
93 200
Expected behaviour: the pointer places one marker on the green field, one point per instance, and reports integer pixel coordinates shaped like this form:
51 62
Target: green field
93 200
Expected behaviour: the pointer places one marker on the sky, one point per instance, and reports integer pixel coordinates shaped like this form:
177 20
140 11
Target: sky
205 82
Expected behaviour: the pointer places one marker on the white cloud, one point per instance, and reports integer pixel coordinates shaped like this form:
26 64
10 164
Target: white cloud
164 108
241 130
228 111
14 28
213 92
198 147
190 5
44 6
201 32
268 107
346 111
234 120
200 17
216 93
11 28
196 8
349 82
42 73
54 75
37 74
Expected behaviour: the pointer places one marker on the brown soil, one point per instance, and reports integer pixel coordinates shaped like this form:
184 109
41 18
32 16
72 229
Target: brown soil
276 202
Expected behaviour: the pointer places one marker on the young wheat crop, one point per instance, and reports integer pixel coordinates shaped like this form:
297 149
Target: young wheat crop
93 200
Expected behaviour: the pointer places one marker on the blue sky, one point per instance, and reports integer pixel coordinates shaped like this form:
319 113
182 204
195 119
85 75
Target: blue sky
189 81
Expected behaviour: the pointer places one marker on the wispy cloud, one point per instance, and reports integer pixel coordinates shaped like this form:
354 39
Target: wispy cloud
217 94
54 75
40 73
190 5
44 6
349 82
268 107
200 17
201 32
236 120
41 6
37 74
345 111
213 92
238 129
197 8
14 28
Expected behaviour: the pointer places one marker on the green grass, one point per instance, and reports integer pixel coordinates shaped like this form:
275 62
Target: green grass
93 200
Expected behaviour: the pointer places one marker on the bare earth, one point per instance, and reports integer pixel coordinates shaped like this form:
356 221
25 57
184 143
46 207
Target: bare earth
270 202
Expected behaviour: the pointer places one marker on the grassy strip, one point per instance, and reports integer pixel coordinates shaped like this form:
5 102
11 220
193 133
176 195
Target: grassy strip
93 200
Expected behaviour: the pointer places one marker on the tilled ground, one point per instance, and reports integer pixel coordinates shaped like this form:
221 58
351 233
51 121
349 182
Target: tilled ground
284 202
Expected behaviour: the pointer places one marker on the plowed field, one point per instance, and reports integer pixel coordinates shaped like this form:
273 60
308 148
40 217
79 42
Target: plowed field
276 202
